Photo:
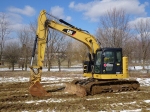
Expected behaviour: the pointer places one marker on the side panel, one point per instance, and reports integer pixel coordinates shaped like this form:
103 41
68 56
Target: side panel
89 75
110 76
125 67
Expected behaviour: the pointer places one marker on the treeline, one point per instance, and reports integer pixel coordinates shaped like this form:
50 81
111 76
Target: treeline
114 30
59 48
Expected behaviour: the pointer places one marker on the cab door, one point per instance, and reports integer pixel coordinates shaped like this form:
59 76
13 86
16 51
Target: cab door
112 61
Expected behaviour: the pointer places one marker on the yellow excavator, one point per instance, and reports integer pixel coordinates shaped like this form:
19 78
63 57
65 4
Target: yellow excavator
106 69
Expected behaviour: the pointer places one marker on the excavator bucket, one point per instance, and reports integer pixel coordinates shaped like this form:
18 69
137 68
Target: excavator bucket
36 89
75 89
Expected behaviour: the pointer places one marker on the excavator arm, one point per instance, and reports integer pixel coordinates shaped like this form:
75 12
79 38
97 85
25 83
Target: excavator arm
44 24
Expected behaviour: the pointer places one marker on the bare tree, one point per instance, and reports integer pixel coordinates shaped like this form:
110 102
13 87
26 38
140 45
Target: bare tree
12 53
61 50
33 26
80 51
113 29
26 40
131 49
55 48
4 31
69 52
143 36
52 38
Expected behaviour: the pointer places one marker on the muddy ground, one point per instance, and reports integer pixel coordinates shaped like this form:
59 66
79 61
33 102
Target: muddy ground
14 96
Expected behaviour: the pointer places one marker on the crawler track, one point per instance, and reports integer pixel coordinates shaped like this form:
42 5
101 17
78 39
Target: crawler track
94 86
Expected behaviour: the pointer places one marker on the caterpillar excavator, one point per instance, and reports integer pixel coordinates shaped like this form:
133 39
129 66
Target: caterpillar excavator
106 70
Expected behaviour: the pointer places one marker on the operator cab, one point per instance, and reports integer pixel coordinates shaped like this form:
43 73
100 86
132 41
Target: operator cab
106 61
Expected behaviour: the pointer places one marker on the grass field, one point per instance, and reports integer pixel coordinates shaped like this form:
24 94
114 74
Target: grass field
14 96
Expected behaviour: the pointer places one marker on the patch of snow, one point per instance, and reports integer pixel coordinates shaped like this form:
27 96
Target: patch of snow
144 81
135 67
13 79
30 102
47 100
89 99
76 68
137 110
147 101
44 79
56 79
138 67
56 100
108 97
133 102
120 103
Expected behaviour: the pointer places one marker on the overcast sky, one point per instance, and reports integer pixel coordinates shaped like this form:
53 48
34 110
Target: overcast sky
84 14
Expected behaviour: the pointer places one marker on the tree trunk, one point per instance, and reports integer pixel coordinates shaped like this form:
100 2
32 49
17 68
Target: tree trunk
69 63
49 65
59 64
12 66
0 56
22 66
143 64
26 67
26 62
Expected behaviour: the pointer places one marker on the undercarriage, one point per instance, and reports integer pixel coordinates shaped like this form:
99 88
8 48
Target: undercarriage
96 86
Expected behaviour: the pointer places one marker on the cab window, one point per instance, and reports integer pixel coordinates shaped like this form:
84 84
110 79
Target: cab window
108 57
98 58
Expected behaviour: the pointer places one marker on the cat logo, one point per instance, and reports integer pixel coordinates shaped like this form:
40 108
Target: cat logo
68 31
